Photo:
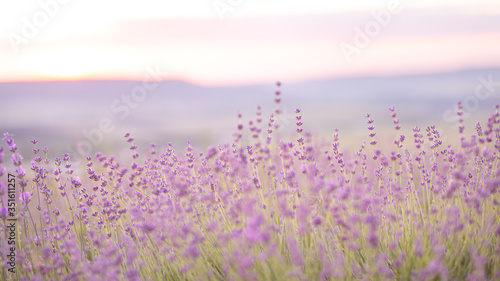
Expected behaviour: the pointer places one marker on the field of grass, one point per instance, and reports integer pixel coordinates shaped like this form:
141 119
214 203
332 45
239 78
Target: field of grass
264 207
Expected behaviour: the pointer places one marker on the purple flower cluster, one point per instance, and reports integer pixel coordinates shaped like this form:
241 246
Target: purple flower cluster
269 209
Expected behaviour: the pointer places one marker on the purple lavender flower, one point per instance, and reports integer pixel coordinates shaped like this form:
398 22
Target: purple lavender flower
3 189
17 159
75 181
3 212
25 197
8 138
295 253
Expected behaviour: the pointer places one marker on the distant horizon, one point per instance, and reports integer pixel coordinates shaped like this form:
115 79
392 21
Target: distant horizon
338 77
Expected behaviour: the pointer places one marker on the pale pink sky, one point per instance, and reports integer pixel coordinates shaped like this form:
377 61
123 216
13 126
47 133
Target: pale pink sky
257 41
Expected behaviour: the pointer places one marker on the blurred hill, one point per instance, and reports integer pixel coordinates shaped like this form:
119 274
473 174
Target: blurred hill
58 113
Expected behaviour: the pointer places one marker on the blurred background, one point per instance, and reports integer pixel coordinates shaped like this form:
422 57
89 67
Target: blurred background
77 75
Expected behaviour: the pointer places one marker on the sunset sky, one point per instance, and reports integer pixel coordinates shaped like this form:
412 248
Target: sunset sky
210 42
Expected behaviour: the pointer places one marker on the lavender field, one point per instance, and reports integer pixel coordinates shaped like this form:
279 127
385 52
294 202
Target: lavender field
265 206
